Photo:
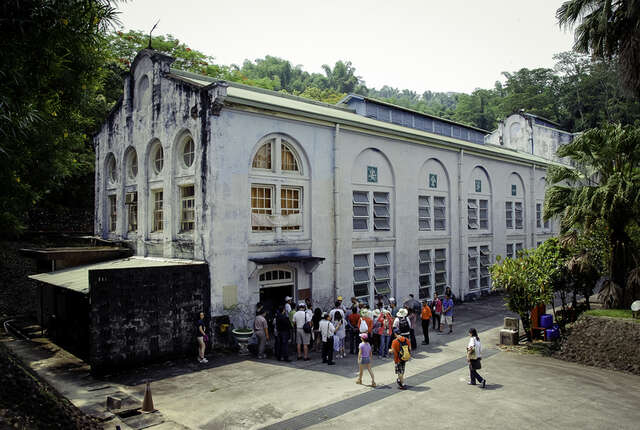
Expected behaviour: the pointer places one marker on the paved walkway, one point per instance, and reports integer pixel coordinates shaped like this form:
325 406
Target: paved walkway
230 393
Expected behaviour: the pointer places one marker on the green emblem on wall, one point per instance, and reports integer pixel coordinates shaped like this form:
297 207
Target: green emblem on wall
514 190
372 174
433 180
478 186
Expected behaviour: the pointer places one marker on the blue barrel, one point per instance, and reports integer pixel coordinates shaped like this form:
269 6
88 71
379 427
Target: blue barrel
546 321
551 333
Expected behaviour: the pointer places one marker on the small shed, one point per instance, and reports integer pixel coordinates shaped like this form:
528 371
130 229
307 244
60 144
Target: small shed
125 312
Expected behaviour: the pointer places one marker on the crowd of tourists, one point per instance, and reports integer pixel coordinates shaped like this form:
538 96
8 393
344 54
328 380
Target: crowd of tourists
386 330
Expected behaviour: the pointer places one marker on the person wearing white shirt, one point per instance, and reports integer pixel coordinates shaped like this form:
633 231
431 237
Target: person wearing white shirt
302 338
474 355
287 304
327 330
402 323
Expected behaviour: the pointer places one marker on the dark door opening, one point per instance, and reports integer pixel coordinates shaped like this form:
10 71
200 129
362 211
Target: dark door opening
272 297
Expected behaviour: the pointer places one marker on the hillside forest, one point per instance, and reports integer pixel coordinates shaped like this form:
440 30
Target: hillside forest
54 101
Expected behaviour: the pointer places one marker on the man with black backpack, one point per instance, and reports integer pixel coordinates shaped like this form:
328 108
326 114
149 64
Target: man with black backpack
401 348
402 324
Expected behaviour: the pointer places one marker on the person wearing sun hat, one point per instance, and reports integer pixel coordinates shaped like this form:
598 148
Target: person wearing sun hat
376 332
402 323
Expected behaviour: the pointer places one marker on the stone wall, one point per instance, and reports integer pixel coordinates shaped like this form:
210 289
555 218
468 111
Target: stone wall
145 314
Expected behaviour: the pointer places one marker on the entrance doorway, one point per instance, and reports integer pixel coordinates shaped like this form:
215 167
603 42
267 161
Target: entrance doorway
275 285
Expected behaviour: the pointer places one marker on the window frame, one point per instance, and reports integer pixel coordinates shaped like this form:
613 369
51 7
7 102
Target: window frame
379 271
379 214
132 211
112 212
187 224
184 153
157 214
514 216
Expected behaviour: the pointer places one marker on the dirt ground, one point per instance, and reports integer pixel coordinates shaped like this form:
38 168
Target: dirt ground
610 343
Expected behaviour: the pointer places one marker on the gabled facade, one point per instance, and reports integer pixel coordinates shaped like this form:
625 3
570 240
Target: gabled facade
286 196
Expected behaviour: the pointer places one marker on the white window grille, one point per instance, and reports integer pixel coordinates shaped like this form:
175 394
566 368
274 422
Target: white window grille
440 270
425 281
508 207
290 208
485 262
131 202
382 273
276 275
424 213
188 208
361 277
381 215
439 213
158 215
261 208
484 214
518 215
473 262
360 210
113 213
472 214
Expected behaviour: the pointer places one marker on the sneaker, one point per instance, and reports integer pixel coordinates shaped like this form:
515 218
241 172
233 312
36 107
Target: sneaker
469 383
204 360
484 383
403 387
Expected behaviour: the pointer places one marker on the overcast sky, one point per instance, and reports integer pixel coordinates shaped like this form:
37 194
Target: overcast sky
453 45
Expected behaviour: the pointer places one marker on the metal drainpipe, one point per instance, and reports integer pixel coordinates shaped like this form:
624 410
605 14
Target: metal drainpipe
336 213
533 206
460 226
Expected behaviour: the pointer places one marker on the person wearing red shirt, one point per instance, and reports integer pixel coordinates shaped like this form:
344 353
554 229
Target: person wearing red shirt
400 364
425 316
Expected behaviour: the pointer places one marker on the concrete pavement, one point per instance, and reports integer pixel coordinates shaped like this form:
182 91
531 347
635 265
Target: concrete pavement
231 393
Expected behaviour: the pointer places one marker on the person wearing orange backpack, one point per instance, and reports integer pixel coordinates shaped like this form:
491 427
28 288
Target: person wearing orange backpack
401 348
426 316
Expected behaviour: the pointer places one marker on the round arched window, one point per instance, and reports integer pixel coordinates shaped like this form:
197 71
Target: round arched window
158 159
111 168
133 164
188 151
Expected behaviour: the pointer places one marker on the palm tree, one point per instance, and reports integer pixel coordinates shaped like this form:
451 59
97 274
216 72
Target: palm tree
607 29
603 186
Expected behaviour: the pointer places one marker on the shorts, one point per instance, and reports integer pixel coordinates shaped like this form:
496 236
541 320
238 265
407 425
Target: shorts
365 360
302 338
400 367
447 319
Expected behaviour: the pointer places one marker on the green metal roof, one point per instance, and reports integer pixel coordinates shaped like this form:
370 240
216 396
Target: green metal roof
77 278
273 101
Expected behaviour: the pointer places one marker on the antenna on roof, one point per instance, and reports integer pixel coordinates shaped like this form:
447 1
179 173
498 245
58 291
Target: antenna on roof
153 28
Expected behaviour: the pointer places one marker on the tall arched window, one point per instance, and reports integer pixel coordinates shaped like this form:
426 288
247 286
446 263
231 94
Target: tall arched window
479 201
277 206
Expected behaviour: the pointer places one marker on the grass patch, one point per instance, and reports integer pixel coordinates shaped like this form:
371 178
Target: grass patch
612 313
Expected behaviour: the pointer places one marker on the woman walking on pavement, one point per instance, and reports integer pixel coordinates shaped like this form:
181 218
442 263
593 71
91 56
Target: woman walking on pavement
340 333
474 356
364 359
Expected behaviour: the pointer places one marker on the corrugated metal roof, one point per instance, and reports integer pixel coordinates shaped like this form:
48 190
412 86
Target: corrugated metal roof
271 100
77 278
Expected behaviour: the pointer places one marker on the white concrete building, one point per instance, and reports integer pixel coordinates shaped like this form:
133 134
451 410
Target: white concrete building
285 196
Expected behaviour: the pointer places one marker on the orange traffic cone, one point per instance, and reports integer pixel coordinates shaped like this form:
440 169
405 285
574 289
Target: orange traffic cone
147 403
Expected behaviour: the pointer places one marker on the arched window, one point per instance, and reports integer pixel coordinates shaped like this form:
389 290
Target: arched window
188 151
277 206
289 161
158 159
262 160
111 168
479 201
132 164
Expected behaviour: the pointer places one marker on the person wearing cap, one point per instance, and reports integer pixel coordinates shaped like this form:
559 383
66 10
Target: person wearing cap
327 330
393 307
386 332
364 359
302 338
287 304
